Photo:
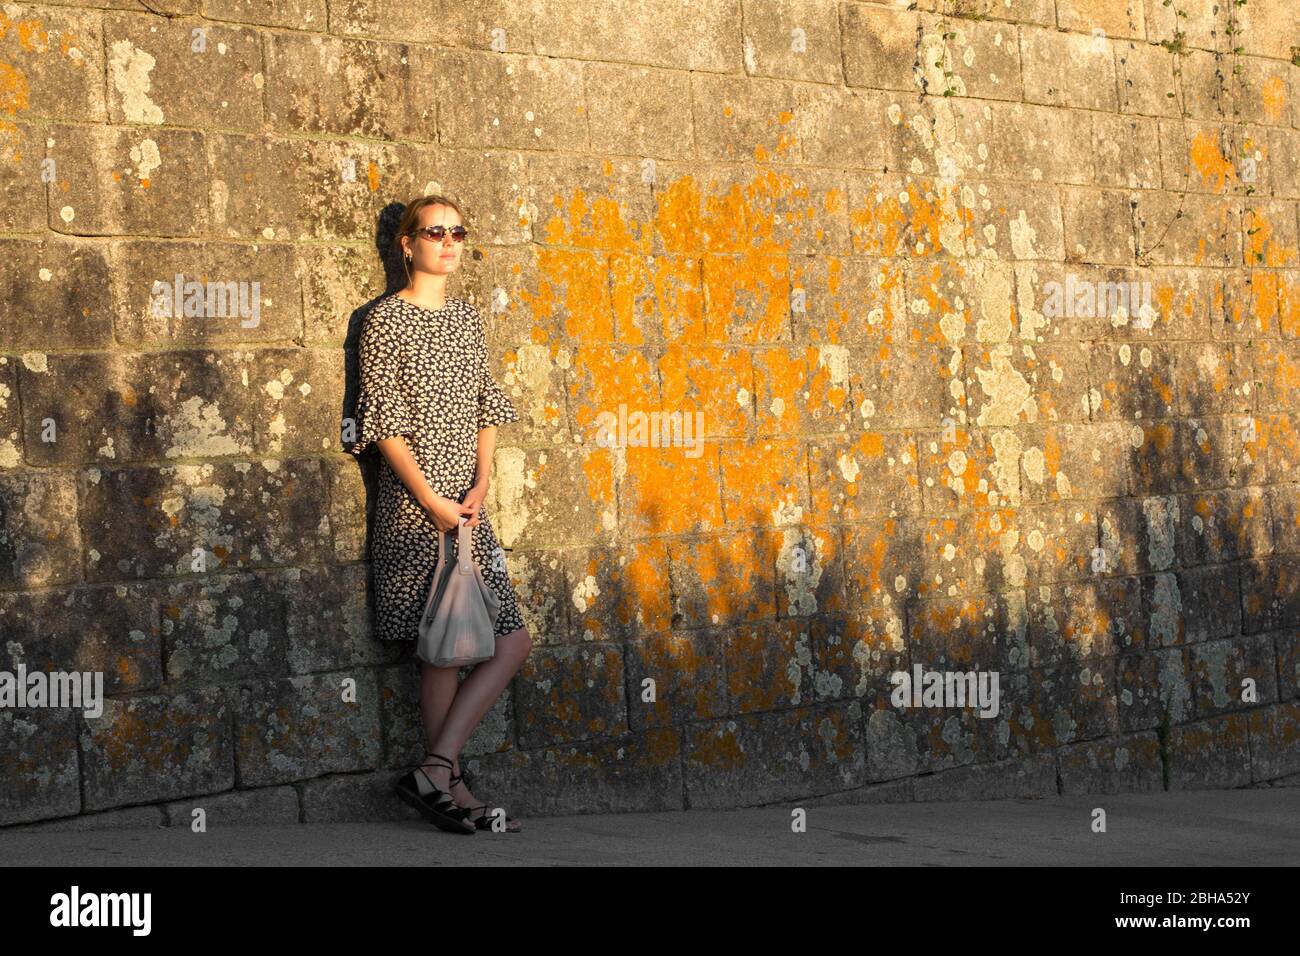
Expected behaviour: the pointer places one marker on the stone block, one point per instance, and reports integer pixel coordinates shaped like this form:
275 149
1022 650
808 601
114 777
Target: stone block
152 63
724 579
1275 741
127 179
774 756
639 110
687 673
55 291
1017 779
223 627
613 597
157 747
571 694
265 806
113 630
55 56
1130 764
1210 754
1152 684
799 40
521 101
302 727
40 542
183 519
1220 669
1270 593
1068 69
41 775
879 47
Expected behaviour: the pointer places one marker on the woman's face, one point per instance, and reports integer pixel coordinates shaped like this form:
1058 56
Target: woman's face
441 257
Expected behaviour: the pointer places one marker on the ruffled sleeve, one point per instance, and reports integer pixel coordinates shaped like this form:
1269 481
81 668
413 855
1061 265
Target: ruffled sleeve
382 410
494 405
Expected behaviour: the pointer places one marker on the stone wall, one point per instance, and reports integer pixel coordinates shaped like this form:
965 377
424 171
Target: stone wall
990 309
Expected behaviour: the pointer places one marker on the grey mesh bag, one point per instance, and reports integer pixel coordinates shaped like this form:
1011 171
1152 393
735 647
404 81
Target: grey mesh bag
457 625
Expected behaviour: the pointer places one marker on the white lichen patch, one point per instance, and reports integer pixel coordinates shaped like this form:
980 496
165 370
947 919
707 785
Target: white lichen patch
1161 516
1007 448
849 469
1022 237
993 287
585 593
835 359
1009 394
146 157
129 68
198 430
798 564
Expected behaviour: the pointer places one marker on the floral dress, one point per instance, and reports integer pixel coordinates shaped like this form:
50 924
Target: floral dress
426 375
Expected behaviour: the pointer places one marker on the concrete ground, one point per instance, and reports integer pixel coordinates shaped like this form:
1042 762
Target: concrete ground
1190 828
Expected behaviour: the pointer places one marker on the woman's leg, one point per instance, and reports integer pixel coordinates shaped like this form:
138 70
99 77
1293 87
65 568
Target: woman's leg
437 693
451 713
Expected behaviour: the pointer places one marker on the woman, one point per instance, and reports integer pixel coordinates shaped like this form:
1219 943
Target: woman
429 403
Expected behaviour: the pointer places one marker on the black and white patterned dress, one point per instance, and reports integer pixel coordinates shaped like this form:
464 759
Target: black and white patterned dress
426 375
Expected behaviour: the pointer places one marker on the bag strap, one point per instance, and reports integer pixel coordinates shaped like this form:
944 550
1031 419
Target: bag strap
464 546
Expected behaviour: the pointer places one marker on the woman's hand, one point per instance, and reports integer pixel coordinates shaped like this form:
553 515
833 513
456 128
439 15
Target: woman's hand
445 513
474 500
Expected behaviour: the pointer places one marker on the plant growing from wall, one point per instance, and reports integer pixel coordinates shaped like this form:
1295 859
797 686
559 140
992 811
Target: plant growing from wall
1178 47
1239 152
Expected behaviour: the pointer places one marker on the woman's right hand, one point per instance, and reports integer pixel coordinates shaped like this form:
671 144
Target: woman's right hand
445 513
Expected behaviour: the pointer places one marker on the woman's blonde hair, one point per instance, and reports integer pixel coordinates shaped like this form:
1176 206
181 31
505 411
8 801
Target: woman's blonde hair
410 222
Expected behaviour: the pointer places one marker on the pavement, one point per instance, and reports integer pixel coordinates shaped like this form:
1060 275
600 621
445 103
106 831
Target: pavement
1248 827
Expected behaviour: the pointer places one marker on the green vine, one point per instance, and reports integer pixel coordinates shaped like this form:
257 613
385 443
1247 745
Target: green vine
961 10
1237 146
1178 47
953 8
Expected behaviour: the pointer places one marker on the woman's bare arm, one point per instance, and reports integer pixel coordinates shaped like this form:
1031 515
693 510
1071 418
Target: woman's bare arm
487 442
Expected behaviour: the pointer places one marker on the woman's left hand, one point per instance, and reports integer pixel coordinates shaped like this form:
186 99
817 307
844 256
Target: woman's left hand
474 499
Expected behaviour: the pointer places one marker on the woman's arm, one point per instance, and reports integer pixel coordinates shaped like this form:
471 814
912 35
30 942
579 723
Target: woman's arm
494 408
487 443
398 455
444 512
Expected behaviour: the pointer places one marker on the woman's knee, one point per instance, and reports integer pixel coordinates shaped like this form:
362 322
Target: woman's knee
520 643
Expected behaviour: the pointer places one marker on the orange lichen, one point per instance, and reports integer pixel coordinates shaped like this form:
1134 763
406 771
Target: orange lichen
1216 169
14 91
1272 94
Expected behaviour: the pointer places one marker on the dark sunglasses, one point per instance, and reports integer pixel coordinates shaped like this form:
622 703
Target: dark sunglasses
458 233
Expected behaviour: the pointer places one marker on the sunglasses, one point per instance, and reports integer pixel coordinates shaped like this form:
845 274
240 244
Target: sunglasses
458 233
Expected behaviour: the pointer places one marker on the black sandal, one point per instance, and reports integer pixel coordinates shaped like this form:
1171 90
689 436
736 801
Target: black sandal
437 807
484 820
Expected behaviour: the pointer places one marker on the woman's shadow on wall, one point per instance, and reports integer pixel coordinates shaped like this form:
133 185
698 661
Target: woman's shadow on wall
368 463
394 280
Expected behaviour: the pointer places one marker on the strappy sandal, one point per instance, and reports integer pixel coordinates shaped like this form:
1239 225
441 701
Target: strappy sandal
484 820
437 806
